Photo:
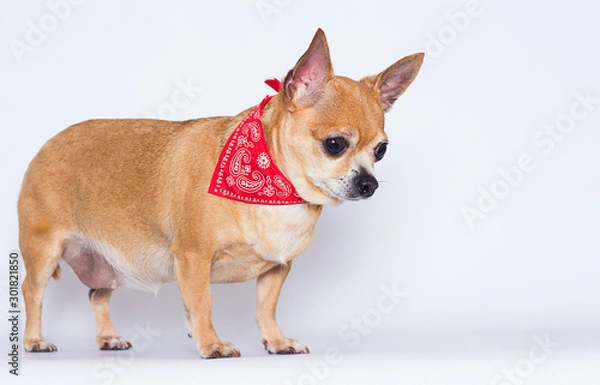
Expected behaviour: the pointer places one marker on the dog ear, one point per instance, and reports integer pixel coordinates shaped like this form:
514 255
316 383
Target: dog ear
392 82
303 84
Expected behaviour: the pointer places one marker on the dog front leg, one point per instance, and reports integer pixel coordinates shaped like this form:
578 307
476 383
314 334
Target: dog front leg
268 287
192 273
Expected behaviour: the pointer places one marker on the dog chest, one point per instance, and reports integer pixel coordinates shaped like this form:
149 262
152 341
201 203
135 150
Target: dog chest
282 233
267 236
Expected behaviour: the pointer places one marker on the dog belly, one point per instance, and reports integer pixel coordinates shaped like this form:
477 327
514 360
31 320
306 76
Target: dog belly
99 265
90 266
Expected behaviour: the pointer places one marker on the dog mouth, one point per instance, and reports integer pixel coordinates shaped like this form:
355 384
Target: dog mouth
324 189
337 196
361 185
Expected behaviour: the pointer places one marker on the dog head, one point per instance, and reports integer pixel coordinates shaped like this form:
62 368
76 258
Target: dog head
330 128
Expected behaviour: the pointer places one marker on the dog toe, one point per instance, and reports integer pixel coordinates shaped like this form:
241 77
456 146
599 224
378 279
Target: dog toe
219 350
285 346
113 343
40 346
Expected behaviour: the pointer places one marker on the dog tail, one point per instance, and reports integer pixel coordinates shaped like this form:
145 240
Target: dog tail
56 274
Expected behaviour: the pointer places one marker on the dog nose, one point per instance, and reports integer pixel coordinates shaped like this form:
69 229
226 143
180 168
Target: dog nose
366 185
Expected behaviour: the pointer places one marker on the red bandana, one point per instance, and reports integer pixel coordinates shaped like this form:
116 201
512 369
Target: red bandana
246 171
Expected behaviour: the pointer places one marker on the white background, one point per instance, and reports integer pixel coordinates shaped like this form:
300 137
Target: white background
477 297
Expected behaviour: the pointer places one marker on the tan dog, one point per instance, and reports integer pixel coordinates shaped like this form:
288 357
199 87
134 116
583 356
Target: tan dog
125 202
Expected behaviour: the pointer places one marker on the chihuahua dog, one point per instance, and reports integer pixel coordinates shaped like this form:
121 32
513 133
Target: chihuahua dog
127 202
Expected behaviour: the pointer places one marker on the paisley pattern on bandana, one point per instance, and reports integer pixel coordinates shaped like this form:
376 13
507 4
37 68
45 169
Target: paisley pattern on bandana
246 171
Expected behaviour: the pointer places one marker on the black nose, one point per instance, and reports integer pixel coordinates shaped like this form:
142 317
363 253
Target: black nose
366 185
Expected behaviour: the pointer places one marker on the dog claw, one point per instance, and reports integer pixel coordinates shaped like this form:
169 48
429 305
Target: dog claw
37 349
285 346
41 346
290 350
114 343
220 350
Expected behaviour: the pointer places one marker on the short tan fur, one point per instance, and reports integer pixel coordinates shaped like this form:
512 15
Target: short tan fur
125 202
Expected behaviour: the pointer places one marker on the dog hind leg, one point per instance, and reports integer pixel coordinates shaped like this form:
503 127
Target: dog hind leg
41 253
106 337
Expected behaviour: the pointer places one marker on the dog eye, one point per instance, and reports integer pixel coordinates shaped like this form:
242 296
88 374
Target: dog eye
335 146
380 151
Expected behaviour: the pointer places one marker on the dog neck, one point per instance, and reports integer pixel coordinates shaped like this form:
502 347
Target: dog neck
272 121
278 128
246 170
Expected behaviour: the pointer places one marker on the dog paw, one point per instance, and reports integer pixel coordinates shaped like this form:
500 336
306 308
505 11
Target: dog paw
40 345
219 350
285 346
113 343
